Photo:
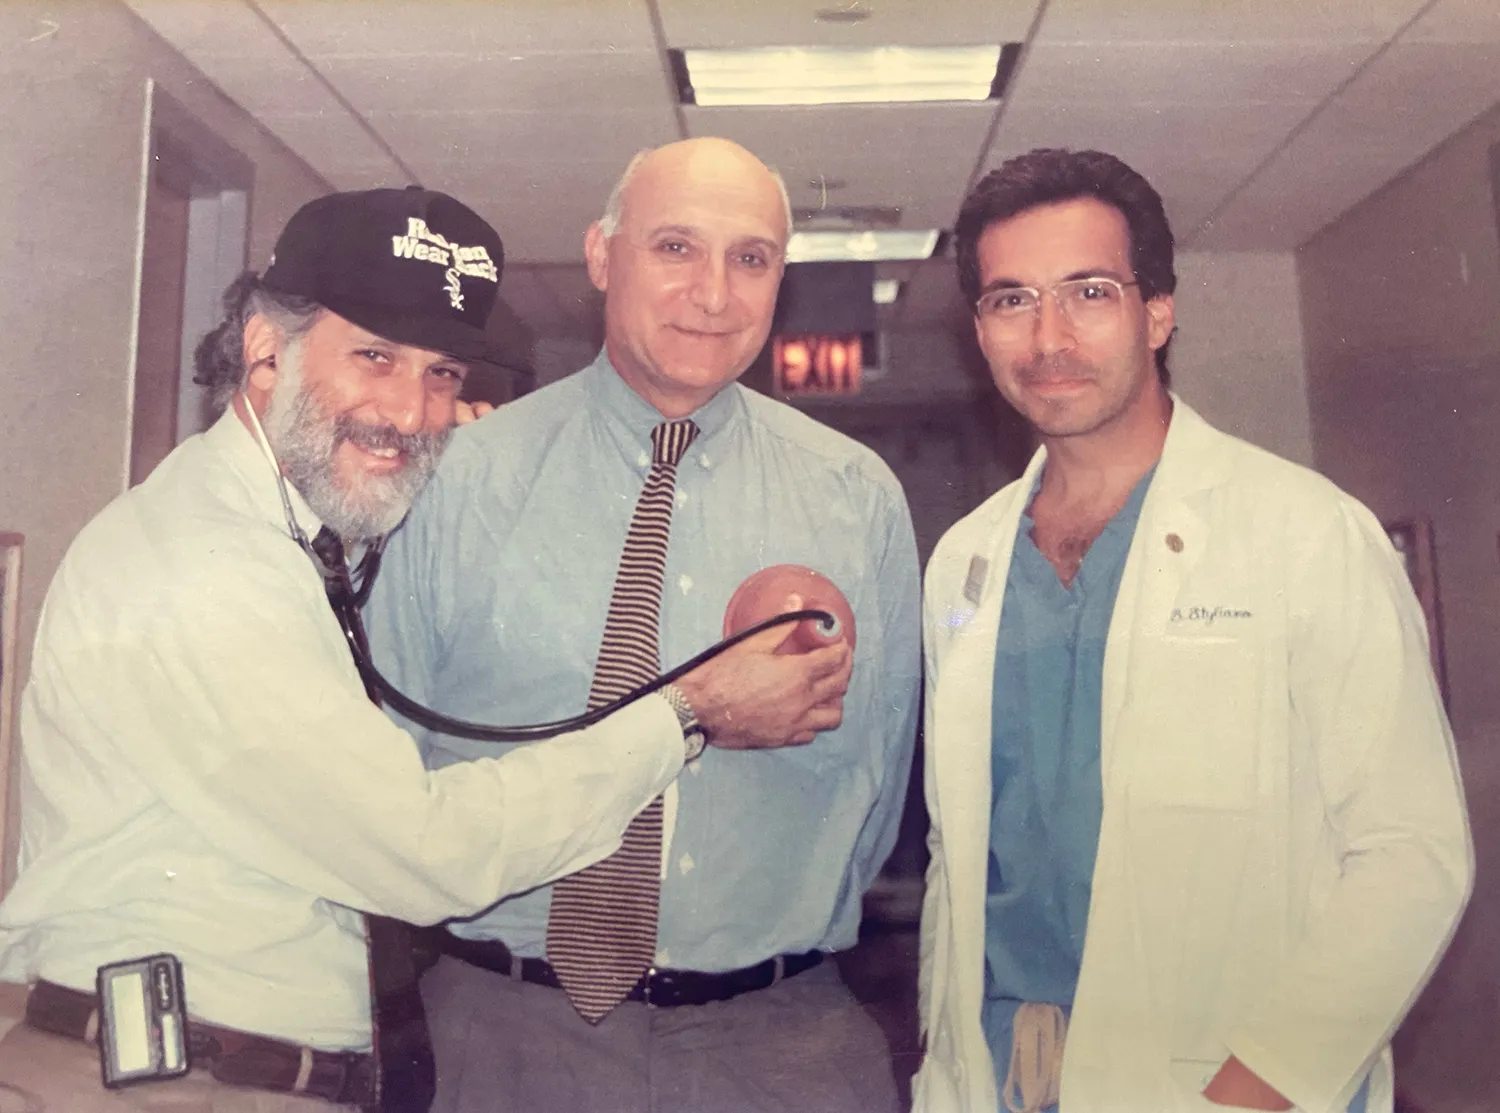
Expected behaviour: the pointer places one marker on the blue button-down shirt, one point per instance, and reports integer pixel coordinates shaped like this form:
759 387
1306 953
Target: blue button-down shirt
491 607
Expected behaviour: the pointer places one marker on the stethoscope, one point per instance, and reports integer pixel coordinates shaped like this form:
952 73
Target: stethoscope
347 593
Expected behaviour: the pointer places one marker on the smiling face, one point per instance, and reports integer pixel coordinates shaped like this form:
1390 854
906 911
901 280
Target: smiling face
357 422
1067 380
690 274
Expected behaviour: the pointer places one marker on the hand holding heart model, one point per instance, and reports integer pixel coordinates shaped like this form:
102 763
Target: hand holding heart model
764 595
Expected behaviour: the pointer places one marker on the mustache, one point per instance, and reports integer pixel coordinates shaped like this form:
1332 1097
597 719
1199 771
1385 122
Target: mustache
1059 365
414 446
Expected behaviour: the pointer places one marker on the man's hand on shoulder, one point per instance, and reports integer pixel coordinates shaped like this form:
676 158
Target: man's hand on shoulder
752 697
1237 1086
466 413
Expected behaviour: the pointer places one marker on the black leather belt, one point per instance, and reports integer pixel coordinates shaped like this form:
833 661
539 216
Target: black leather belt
233 1057
663 989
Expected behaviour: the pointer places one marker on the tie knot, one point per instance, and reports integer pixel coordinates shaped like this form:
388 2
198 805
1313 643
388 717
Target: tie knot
670 440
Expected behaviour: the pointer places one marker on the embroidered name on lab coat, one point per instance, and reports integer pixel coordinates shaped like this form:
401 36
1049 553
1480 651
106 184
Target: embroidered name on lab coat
1207 616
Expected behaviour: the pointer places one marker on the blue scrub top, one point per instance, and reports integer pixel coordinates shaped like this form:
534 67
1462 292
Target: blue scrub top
1047 790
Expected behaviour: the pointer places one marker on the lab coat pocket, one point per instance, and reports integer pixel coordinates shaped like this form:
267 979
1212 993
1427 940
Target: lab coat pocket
1192 722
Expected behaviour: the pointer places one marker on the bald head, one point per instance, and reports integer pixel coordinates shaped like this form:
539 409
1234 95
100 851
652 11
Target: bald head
706 156
689 255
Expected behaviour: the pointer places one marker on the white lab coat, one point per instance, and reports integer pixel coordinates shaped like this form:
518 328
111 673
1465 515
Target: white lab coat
1284 850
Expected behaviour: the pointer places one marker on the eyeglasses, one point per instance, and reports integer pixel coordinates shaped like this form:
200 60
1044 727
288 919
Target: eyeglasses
1089 304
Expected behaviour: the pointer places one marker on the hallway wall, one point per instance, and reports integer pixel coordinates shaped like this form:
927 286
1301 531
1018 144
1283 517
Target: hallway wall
73 78
1401 305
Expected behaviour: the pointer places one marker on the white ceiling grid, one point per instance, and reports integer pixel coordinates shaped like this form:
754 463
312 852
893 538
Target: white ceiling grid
1259 120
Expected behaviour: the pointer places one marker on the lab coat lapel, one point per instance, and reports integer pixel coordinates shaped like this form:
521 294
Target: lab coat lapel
1170 538
967 693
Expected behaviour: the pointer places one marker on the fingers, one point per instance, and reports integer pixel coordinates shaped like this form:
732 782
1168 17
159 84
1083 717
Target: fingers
466 413
828 669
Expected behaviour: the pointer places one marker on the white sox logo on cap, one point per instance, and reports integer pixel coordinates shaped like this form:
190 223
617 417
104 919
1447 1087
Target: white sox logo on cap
421 242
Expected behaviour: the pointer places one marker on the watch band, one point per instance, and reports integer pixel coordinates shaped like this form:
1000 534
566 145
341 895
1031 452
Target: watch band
693 736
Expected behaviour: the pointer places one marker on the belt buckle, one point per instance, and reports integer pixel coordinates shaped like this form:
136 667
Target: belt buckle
648 981
661 989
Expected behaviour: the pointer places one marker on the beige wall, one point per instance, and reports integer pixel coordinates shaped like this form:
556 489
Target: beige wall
1401 312
70 201
1237 356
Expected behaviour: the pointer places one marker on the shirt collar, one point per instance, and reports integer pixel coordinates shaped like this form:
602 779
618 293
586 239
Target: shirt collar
230 437
616 399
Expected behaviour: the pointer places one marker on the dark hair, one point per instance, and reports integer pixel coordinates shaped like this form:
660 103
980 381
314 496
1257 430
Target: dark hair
219 358
1046 176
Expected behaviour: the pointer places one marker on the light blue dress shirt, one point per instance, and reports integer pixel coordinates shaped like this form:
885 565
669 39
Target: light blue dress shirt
491 607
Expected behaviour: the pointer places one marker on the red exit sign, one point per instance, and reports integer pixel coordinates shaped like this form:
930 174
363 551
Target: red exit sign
817 364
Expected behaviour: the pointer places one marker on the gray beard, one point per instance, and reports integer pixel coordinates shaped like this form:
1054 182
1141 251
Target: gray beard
306 438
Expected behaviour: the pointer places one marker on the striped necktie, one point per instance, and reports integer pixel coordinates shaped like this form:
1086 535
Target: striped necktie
601 933
405 1071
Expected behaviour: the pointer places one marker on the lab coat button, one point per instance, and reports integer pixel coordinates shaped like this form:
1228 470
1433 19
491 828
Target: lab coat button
1174 542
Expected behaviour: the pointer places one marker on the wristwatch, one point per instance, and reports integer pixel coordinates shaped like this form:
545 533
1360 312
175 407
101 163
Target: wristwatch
694 738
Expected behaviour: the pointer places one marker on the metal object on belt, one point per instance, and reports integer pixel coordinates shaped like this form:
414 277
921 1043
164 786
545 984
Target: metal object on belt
232 1057
659 988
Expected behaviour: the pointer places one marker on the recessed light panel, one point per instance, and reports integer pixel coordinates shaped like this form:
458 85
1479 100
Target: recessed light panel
849 245
834 75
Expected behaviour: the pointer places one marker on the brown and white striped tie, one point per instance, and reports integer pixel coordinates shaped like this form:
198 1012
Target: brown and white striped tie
601 932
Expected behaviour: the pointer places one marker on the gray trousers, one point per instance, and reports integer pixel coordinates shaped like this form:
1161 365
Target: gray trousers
803 1045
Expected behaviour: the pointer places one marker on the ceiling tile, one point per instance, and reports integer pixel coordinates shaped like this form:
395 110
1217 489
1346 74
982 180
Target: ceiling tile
1458 21
541 216
387 28
690 23
462 83
272 86
1224 20
916 157
1188 72
203 28
330 142
1413 96
499 141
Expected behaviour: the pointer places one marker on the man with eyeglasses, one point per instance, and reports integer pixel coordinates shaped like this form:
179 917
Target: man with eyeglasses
1198 837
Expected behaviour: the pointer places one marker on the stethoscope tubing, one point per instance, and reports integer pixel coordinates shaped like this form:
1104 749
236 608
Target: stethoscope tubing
532 732
346 604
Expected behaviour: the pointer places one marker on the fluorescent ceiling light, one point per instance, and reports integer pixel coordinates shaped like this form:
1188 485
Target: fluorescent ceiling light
887 290
831 75
859 245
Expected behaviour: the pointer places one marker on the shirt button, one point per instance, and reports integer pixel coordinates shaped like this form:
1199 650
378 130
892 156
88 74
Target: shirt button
663 958
685 864
684 583
644 459
704 461
682 497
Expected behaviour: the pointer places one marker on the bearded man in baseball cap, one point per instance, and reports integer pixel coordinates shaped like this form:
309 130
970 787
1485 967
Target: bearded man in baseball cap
222 835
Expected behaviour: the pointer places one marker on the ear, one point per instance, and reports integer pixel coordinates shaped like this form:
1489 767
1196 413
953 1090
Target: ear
596 251
1161 319
261 345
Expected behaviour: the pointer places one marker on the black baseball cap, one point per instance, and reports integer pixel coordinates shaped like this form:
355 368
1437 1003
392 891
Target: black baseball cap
412 265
